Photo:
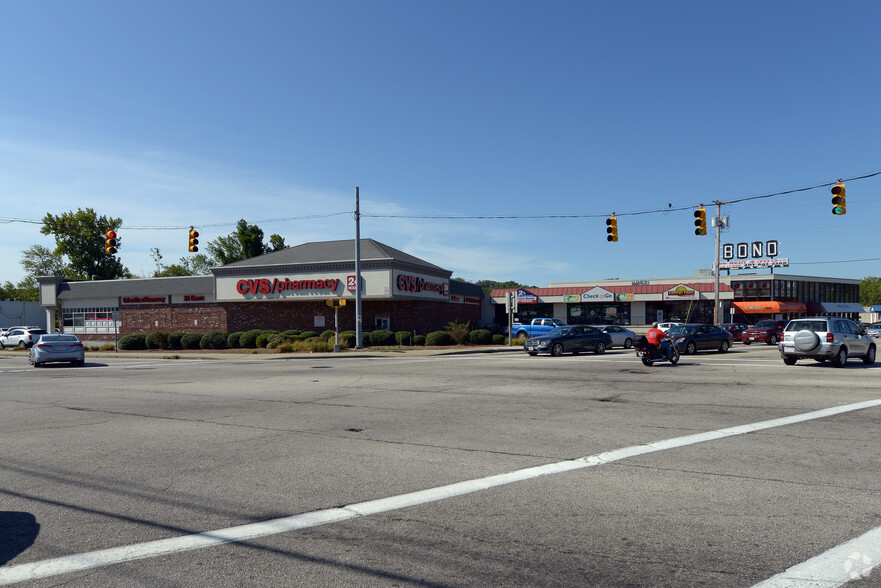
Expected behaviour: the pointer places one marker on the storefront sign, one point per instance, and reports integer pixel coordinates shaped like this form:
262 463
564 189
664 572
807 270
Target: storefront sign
571 298
753 263
277 286
597 294
144 299
624 297
472 300
681 292
191 298
424 286
526 297
755 249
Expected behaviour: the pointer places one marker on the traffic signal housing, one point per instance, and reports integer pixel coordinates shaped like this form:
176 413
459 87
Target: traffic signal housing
194 240
700 221
110 242
839 201
612 228
335 302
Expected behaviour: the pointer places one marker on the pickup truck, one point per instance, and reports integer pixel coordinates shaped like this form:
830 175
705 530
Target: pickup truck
536 328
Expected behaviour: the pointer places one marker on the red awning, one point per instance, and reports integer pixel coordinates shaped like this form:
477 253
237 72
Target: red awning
766 307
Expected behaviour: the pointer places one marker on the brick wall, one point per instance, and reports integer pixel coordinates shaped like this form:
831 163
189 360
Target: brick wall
188 318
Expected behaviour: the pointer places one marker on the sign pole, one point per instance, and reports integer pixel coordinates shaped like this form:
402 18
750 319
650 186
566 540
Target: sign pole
336 328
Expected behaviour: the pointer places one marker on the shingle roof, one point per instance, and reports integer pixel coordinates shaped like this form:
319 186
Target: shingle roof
145 286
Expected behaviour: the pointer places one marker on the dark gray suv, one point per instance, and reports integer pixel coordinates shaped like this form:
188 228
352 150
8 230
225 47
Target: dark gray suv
825 337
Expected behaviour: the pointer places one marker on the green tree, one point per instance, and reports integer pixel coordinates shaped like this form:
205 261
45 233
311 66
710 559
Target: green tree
196 265
244 243
79 241
490 285
870 291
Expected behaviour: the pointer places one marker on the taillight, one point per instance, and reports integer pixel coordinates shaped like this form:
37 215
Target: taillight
77 345
830 338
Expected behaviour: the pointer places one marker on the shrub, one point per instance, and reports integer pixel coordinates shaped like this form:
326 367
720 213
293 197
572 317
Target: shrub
234 340
419 341
107 347
248 340
439 338
174 340
290 333
499 340
458 331
262 340
157 340
328 335
382 337
404 338
135 341
191 341
347 340
480 337
308 334
214 340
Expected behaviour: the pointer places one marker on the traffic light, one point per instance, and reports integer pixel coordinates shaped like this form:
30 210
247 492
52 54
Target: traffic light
839 201
194 240
700 221
335 302
612 228
110 242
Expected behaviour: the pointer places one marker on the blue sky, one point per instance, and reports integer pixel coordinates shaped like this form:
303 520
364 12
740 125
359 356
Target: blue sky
170 114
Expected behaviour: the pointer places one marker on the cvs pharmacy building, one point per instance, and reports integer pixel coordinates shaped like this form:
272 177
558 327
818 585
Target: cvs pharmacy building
287 289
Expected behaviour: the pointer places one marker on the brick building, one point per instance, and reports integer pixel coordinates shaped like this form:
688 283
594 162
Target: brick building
287 289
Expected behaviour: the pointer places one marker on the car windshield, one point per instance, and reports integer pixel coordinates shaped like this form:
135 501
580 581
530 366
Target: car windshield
56 338
766 324
559 332
806 325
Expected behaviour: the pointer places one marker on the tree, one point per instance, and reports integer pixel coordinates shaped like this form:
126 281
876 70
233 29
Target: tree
490 285
79 242
870 291
196 265
244 243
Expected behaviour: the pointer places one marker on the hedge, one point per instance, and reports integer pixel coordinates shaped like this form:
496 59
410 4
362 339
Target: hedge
174 340
214 340
248 340
439 338
234 340
419 341
262 340
480 337
328 334
382 337
191 341
135 341
157 340
404 338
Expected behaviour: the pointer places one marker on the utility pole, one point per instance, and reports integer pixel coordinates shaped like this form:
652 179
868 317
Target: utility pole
358 329
720 224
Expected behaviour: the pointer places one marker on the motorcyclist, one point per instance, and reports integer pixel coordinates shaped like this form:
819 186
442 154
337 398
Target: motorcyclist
659 340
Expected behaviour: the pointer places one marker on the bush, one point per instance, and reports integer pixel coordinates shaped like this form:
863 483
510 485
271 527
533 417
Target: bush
135 341
157 340
262 340
291 333
308 335
191 341
439 338
107 347
499 340
328 335
480 337
214 340
458 331
347 340
382 337
248 340
404 338
234 340
419 341
174 340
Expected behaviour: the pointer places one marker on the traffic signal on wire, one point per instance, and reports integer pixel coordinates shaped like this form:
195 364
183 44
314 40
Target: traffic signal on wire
700 221
839 202
194 240
110 242
612 228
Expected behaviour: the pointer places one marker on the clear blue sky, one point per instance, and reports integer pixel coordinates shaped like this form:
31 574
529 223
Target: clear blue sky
170 114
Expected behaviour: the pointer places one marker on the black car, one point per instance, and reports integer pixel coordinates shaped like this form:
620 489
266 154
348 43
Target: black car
569 339
690 338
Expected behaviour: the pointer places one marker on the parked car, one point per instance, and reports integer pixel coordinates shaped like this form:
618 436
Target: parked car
569 339
57 347
822 338
21 337
736 329
769 331
5 330
874 330
690 338
621 337
667 326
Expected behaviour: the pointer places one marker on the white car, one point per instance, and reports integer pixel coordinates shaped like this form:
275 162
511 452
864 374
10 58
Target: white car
21 337
621 337
665 326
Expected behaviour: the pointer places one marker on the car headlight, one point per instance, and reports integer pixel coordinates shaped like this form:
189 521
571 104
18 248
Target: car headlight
544 343
679 340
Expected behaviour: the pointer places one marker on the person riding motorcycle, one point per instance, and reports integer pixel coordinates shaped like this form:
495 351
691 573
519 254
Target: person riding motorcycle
659 340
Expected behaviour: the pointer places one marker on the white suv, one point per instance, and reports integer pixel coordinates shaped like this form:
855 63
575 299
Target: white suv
21 336
825 337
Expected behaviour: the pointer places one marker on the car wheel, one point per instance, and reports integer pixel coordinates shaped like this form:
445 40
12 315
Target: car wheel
628 343
745 342
869 359
600 348
557 350
820 359
532 353
840 359
772 340
691 348
789 360
723 346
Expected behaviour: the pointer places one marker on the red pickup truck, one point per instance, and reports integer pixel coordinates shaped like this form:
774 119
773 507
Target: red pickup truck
764 332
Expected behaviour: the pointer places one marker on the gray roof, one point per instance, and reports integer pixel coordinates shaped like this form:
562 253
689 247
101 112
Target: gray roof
144 286
332 252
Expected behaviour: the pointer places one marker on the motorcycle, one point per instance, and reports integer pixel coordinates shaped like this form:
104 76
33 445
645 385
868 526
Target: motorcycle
649 354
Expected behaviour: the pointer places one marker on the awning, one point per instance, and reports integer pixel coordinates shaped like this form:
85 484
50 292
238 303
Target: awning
766 307
842 307
875 308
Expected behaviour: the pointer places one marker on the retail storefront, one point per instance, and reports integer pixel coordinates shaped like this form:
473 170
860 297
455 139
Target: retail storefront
287 289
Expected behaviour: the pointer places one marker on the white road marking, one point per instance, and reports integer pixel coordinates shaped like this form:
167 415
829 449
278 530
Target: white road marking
115 555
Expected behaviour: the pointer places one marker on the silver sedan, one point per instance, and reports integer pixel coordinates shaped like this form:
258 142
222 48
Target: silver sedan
621 337
57 347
